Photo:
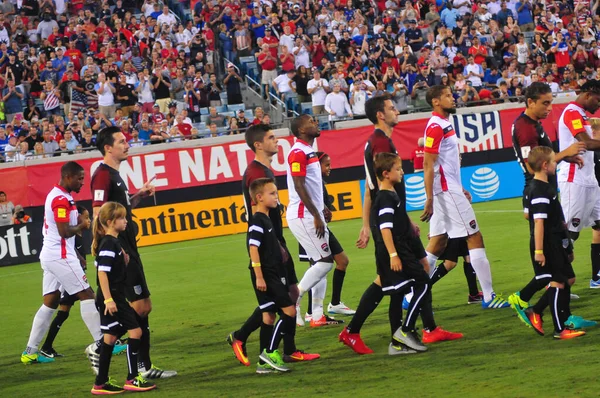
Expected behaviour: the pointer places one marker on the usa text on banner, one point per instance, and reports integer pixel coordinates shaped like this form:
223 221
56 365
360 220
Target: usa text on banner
224 216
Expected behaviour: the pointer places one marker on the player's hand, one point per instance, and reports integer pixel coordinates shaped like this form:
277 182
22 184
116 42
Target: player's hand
261 285
327 214
319 227
125 257
363 238
110 308
578 160
540 258
576 148
396 264
468 195
427 211
148 189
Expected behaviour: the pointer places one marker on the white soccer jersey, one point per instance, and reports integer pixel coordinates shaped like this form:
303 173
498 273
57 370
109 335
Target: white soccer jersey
302 161
572 122
440 139
59 207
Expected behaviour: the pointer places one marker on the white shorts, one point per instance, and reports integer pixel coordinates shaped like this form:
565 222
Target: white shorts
452 215
305 233
581 205
63 275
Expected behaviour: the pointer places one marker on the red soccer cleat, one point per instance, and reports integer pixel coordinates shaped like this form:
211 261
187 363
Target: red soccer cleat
354 341
535 320
300 356
568 334
324 321
439 334
238 350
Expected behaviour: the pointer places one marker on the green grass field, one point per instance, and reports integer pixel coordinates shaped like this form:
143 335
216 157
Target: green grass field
201 292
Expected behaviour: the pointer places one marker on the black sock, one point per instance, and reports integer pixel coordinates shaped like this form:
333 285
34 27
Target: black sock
288 329
277 334
471 279
104 363
309 294
59 319
439 273
427 312
534 286
557 303
144 360
595 261
368 302
266 335
542 303
566 305
251 324
338 282
395 313
420 304
133 350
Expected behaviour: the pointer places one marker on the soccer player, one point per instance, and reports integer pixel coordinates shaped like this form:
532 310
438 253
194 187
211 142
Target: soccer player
263 142
528 133
108 186
68 300
550 251
579 191
336 306
117 316
61 266
268 273
383 114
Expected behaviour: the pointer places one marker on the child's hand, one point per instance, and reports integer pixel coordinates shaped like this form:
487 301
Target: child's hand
540 258
111 308
396 264
261 285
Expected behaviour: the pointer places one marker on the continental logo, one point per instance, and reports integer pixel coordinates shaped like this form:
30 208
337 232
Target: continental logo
224 216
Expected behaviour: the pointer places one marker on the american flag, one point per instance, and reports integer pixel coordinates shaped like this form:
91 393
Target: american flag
78 101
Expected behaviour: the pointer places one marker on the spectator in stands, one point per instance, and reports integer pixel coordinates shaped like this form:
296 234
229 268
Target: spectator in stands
38 151
336 103
51 98
19 216
10 149
214 117
88 140
161 85
300 83
33 137
106 96
318 88
282 85
12 96
213 129
22 152
135 140
70 140
49 144
214 89
126 95
6 210
258 115
268 64
418 156
3 139
232 85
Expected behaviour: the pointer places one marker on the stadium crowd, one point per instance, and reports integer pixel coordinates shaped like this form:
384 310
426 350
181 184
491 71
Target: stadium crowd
69 69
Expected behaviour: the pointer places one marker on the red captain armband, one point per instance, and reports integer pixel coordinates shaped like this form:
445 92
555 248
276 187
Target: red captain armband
297 161
433 137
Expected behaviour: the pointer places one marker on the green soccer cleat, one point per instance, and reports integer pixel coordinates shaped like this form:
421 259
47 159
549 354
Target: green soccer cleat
275 360
29 359
119 349
108 388
577 322
264 368
515 300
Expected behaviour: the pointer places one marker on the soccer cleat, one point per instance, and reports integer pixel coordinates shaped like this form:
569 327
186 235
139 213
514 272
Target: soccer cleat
93 356
324 321
138 384
515 301
478 298
594 284
49 352
299 320
399 349
577 322
439 334
28 359
340 309
495 302
574 296
307 317
264 368
409 339
354 341
239 350
405 303
567 334
108 388
300 356
535 320
156 373
275 360
119 349
522 315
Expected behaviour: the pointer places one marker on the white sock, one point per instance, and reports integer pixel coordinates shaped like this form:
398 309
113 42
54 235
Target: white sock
409 296
312 276
481 265
39 328
431 259
91 318
318 296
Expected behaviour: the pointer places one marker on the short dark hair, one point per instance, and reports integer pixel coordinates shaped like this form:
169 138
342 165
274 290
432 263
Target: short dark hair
256 133
258 186
106 136
297 123
374 105
2 193
435 92
81 209
538 156
384 161
536 90
591 86
70 169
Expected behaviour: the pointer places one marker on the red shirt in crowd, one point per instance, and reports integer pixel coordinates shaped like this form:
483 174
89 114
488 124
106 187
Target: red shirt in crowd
271 40
478 53
269 64
417 159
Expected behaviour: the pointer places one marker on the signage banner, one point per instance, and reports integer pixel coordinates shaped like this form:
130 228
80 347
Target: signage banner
20 244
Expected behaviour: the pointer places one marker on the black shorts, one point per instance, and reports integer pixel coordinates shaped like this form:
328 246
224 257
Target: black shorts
137 288
277 294
393 282
68 299
454 249
334 245
291 278
119 323
557 267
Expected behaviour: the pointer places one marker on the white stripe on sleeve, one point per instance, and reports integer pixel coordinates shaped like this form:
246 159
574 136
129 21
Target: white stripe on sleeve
537 201
104 268
387 210
107 253
385 225
256 228
540 215
254 242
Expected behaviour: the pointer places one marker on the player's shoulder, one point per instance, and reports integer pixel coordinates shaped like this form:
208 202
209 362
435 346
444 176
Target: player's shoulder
539 189
385 197
259 219
109 246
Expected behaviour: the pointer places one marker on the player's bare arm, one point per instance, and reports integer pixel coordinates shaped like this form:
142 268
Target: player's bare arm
147 190
300 185
539 241
388 240
109 303
365 231
256 267
428 162
67 231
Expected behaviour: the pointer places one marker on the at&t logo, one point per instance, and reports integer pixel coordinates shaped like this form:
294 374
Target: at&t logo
415 191
485 182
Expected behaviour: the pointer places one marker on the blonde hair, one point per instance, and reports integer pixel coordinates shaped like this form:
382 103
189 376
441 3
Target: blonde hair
110 211
538 156
595 123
